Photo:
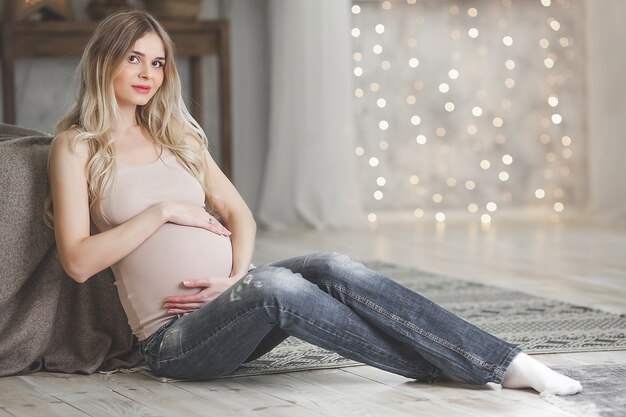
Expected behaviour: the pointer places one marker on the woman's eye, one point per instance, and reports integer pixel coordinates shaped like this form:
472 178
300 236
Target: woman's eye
161 65
131 57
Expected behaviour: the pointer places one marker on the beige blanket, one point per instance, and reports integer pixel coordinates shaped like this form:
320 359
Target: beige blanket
48 321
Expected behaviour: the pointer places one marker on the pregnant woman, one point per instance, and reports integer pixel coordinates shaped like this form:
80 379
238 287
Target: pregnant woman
134 188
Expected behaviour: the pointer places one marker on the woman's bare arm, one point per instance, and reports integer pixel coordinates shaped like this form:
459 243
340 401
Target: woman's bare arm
236 214
82 255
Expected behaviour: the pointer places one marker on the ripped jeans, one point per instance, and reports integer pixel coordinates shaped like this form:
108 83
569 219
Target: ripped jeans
330 301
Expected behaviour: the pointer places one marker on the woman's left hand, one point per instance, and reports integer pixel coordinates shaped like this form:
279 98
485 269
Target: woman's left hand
210 289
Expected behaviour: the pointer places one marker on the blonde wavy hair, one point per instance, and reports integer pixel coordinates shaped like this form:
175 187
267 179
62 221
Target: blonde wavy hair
165 117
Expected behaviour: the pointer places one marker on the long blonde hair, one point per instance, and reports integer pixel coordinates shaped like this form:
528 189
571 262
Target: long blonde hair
165 117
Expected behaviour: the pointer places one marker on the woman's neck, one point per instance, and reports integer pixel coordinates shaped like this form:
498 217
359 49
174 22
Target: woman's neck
127 120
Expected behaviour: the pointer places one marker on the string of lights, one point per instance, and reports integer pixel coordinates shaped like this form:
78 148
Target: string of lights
472 106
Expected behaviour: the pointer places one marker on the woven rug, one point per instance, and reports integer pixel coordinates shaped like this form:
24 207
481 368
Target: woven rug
603 395
538 325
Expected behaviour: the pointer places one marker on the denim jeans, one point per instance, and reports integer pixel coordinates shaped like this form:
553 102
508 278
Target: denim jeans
330 301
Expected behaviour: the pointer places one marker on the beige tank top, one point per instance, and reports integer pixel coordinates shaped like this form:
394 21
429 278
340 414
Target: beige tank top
173 254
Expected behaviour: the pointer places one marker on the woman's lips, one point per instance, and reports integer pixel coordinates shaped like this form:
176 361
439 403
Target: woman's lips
143 90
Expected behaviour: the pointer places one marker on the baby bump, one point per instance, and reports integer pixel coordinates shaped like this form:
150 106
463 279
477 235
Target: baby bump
173 254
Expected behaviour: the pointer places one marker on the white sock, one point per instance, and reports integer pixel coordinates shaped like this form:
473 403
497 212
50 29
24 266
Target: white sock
526 372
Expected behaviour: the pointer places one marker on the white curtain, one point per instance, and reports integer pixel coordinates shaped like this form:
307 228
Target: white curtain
310 172
607 106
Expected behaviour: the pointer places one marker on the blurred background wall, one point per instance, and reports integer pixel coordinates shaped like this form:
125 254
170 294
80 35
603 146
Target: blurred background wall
489 108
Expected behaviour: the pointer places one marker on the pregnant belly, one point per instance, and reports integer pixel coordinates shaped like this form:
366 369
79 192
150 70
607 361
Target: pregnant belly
157 268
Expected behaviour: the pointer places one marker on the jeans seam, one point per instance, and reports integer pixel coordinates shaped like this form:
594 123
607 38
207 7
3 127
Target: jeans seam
339 337
501 370
373 306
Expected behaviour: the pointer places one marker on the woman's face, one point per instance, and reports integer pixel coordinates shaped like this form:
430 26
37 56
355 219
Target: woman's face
141 72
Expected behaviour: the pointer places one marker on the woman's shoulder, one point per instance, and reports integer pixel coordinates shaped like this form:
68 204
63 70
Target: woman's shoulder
65 143
69 133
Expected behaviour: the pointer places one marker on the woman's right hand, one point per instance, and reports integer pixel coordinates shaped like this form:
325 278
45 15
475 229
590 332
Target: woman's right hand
189 215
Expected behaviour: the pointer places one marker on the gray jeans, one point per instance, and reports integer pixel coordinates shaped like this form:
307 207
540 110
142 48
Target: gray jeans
330 301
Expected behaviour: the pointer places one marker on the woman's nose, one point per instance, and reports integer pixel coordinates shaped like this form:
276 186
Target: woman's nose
146 72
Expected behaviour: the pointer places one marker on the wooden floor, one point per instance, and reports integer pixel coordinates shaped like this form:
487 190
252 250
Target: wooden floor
573 263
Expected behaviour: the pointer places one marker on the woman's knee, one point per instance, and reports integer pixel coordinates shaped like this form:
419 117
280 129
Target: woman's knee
328 258
330 263
275 282
337 268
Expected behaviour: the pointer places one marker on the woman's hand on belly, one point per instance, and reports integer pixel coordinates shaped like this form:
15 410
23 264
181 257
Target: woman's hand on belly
186 214
209 289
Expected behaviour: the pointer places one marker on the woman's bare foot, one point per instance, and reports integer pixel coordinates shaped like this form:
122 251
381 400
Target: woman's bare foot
526 372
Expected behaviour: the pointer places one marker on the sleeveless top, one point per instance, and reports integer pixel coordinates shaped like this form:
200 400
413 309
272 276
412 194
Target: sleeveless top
173 254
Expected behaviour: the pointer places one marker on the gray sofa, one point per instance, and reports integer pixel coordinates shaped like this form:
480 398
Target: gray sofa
48 321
